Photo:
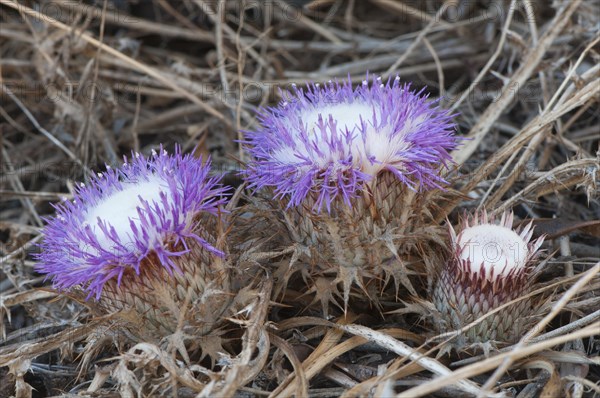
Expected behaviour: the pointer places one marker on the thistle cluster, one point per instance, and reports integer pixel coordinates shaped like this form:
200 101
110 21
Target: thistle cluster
353 177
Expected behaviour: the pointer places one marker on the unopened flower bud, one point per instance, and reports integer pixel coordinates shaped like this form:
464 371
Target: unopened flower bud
490 264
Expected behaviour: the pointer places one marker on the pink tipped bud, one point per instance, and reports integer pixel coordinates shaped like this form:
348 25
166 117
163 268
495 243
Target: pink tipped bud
490 265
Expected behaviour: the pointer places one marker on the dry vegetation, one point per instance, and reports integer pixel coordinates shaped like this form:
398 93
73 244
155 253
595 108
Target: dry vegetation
82 85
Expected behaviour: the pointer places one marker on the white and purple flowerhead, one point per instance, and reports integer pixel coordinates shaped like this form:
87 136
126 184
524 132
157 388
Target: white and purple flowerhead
331 142
490 265
142 238
351 168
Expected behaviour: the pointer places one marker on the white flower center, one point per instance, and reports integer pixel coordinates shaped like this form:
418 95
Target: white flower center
346 115
121 208
371 151
495 247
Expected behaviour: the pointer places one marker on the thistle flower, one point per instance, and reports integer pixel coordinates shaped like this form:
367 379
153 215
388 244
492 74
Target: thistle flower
141 240
490 265
350 167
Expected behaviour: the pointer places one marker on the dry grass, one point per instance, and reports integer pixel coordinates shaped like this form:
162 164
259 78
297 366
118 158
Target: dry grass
83 85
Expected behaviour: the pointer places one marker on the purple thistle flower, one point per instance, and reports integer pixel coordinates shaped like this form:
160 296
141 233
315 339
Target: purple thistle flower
371 156
332 140
148 207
